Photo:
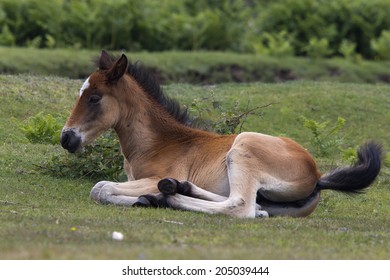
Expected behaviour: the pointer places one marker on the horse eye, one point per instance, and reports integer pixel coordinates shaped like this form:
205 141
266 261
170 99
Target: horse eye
94 99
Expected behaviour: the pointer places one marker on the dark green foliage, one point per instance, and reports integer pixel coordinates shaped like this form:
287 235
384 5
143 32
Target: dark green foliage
241 26
102 160
357 21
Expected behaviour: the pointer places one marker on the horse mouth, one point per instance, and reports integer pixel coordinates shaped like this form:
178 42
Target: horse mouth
70 140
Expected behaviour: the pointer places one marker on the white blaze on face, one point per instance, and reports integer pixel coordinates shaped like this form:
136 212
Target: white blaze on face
85 86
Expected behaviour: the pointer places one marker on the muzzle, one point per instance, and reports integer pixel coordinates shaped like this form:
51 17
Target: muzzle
70 140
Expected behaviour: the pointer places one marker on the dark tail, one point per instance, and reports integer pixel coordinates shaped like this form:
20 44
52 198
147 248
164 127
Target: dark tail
356 178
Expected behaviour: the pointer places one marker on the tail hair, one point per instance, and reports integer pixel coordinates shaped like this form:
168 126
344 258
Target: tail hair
356 178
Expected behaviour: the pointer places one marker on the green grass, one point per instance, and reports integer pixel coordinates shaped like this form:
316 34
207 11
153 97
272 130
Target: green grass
198 67
43 217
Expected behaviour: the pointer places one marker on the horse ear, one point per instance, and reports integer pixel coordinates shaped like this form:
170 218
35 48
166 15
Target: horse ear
118 69
105 61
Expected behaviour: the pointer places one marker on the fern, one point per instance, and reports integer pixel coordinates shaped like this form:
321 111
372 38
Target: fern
325 138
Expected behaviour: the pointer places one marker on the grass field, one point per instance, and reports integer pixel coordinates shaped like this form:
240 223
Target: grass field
43 217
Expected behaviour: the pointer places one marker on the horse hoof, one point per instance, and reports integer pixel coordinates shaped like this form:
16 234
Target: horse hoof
168 186
262 214
184 188
142 202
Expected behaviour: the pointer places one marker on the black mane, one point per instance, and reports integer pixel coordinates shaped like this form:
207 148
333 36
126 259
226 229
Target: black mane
152 87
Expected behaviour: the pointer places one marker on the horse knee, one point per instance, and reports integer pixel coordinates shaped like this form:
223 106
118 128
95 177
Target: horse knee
240 208
101 192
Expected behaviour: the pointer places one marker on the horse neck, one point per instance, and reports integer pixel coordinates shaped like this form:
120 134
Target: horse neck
144 125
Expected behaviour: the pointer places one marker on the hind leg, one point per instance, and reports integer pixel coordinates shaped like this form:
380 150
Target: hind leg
243 190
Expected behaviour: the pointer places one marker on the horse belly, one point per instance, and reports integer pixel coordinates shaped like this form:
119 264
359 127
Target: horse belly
214 180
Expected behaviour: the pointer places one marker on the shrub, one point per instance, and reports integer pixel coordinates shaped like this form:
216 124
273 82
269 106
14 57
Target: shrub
6 37
357 21
102 160
274 44
347 49
325 139
318 48
44 129
195 25
382 45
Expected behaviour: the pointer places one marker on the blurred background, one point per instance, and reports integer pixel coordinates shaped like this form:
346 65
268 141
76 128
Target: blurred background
353 30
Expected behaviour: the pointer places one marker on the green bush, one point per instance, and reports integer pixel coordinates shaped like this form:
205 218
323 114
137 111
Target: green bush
357 21
382 45
102 160
347 49
6 37
44 129
242 26
274 44
318 48
325 139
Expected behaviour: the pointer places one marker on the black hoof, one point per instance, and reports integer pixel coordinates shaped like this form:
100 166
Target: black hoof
184 188
142 201
168 186
149 200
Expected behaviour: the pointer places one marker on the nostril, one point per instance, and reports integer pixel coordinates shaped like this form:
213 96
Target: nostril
64 138
70 141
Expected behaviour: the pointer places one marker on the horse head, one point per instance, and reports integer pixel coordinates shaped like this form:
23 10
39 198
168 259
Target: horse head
97 106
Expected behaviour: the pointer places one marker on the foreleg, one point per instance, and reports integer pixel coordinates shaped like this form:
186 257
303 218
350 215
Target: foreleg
126 194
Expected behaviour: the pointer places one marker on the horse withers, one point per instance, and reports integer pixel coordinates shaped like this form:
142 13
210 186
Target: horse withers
170 163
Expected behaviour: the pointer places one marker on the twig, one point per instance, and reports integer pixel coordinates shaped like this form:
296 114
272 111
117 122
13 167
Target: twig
5 202
173 222
247 113
9 211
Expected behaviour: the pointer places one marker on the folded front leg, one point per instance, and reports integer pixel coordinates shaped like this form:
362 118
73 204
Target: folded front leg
124 194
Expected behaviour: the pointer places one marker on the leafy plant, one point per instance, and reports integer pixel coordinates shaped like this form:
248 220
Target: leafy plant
387 160
325 138
349 154
318 48
347 49
6 37
100 160
42 129
382 45
278 27
275 44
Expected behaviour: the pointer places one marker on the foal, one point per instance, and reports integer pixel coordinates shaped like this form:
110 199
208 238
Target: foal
169 163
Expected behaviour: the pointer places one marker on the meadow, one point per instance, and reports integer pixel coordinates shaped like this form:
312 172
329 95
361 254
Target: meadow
48 217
